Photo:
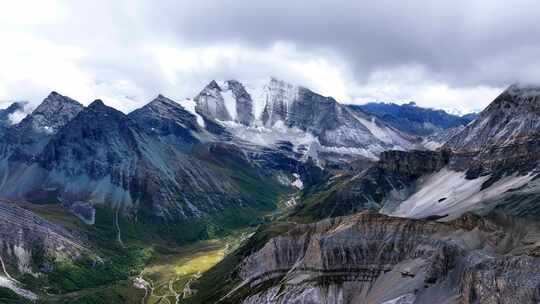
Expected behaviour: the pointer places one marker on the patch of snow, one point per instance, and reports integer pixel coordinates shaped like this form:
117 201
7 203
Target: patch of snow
189 105
431 144
16 117
48 129
404 299
448 192
230 103
268 137
280 92
312 152
279 132
15 287
259 97
7 281
377 131
297 182
384 133
291 202
351 151
283 179
24 263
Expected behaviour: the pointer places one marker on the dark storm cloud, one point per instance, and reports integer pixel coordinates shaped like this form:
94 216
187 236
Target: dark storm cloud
465 43
446 54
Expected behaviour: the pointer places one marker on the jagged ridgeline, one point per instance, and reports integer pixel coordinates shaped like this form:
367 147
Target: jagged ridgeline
491 164
92 191
229 152
455 225
157 164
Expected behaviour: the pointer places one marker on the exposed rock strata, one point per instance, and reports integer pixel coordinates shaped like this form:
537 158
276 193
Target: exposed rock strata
24 236
372 258
384 184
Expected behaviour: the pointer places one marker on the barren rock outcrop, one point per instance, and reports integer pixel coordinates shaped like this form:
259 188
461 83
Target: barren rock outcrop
373 258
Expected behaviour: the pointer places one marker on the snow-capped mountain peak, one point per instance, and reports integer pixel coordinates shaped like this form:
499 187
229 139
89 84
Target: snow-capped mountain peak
226 101
272 111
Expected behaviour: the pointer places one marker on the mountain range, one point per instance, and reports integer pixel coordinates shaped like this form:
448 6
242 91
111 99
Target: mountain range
378 203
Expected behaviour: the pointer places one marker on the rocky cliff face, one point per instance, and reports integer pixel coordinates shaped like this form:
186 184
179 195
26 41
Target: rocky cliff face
104 157
511 117
314 124
504 136
158 161
280 97
27 138
25 235
168 120
30 245
490 163
372 258
211 103
438 139
381 186
52 114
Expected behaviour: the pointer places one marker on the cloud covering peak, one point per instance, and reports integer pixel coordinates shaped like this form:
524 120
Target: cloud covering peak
457 54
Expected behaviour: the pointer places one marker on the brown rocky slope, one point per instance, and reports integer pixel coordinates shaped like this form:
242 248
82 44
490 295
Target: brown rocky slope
373 258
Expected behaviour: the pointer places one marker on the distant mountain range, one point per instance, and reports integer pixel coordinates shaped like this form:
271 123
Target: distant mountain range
416 120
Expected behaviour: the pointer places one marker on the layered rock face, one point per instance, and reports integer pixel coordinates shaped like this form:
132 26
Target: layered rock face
227 101
280 97
372 258
383 185
24 236
32 245
413 164
501 280
438 139
244 104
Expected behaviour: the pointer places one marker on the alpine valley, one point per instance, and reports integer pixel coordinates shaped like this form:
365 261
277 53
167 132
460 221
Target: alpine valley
270 193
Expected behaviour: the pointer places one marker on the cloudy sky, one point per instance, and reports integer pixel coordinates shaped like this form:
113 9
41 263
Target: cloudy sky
457 55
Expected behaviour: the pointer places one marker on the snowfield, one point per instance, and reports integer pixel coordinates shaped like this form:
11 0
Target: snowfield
448 192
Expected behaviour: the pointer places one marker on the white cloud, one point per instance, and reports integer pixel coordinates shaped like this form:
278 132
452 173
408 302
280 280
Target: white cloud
16 117
28 13
126 52
412 83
